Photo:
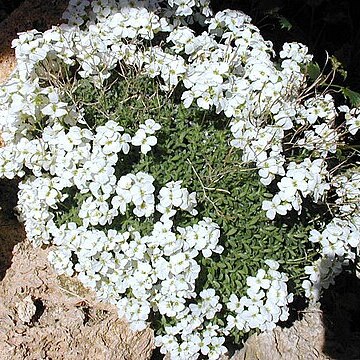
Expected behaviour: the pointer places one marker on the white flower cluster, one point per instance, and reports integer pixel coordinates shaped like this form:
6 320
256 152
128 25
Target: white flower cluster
194 334
186 7
321 274
233 71
338 243
229 67
338 237
352 118
348 192
37 196
305 178
265 304
78 157
155 272
172 196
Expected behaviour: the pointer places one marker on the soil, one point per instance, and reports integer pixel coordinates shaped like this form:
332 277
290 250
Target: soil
46 316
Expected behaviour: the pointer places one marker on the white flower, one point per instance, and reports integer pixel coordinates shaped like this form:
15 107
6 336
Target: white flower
150 126
178 263
275 206
55 109
352 118
259 281
145 142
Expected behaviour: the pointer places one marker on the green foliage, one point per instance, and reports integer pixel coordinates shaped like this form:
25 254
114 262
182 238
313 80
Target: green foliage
352 96
313 70
338 67
193 146
284 23
316 75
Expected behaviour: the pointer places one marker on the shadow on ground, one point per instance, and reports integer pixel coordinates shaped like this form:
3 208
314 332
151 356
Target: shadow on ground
341 317
11 232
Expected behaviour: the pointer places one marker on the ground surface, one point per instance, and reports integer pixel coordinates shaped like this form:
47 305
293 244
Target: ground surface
45 316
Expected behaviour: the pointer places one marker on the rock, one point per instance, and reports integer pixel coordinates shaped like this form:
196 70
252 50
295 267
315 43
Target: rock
303 341
67 323
26 309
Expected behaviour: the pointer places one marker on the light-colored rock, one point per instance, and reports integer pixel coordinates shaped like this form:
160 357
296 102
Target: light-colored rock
303 341
71 324
26 309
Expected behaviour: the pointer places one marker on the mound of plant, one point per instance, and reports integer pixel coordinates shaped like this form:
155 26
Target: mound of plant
180 168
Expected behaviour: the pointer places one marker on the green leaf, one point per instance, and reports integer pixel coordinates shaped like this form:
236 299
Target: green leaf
352 96
313 70
232 231
284 23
